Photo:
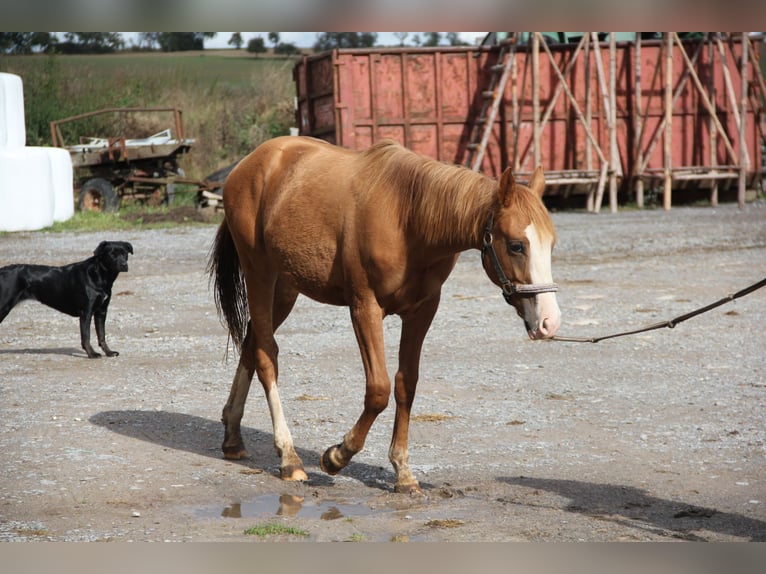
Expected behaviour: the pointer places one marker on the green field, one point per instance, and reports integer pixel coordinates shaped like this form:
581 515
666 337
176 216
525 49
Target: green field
231 101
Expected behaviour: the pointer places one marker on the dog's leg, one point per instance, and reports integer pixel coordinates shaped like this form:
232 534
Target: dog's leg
85 334
12 291
100 323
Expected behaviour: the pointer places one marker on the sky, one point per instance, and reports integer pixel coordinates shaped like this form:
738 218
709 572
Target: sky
307 39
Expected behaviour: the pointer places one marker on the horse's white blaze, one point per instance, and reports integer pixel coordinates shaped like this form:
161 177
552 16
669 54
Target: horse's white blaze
541 313
282 437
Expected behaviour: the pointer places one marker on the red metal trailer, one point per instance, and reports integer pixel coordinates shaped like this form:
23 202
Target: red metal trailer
555 108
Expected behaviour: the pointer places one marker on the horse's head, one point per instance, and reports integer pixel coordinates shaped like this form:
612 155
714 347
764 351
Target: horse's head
516 255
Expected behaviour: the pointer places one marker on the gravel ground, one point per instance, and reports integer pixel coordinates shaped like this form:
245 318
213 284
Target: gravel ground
658 436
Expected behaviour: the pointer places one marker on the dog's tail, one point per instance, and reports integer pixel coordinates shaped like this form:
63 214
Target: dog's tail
229 287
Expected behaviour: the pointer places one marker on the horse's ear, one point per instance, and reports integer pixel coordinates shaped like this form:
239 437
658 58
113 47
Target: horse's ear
507 186
537 183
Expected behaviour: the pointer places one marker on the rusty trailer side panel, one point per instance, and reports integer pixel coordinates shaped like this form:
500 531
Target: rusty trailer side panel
427 99
420 98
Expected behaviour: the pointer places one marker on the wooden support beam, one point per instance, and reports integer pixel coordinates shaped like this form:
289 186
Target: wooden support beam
536 97
711 123
638 126
667 155
744 159
615 166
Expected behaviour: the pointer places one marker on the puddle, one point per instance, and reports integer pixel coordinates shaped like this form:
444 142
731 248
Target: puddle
286 505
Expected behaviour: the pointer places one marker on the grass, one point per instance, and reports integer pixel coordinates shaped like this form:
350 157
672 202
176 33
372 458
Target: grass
229 104
134 217
271 529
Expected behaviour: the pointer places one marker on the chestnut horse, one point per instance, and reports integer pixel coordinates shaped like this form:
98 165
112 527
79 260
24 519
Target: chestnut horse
378 231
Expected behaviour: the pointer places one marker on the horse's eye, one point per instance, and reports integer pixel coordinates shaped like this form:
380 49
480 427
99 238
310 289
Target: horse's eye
515 247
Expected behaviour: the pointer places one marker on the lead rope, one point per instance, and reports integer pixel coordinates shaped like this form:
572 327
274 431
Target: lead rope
672 322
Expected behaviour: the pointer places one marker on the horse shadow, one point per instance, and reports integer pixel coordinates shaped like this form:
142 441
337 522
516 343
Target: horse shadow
635 508
197 435
66 351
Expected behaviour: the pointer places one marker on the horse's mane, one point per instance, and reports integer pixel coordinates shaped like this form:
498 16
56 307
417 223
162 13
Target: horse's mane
437 199
443 202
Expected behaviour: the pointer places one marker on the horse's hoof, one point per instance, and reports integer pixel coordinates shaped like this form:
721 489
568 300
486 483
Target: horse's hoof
234 453
293 473
411 488
327 464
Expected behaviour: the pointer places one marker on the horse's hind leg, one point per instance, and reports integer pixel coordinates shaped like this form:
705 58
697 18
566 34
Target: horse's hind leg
233 447
291 467
259 356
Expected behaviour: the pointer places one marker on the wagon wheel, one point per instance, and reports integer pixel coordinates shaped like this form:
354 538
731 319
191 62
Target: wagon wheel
98 195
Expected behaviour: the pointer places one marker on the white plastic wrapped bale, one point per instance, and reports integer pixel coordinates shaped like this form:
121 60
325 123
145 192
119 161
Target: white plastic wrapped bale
13 131
61 180
35 182
26 189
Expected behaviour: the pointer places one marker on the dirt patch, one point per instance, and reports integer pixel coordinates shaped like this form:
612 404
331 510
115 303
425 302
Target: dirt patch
655 437
180 215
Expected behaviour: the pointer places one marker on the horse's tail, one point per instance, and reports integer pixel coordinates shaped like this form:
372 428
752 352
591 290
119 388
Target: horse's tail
229 287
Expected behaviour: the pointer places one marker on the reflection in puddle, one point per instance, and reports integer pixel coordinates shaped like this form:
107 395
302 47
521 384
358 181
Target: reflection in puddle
287 505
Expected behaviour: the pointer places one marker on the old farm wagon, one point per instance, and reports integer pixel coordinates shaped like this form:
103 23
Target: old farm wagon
111 169
604 117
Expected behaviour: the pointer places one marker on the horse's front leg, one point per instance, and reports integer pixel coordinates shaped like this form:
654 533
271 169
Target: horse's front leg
367 318
414 329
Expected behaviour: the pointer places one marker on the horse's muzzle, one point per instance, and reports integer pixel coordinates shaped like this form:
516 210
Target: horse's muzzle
545 331
548 318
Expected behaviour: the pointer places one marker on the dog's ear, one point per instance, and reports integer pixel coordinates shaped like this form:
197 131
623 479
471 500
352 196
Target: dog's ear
128 247
100 249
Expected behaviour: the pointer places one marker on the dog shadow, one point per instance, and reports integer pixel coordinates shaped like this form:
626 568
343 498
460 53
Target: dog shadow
635 508
197 435
65 351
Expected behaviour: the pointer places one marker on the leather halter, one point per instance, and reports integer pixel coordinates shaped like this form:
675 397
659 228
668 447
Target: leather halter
510 289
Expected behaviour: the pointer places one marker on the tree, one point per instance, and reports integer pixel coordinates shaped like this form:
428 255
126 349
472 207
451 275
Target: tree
274 38
181 41
454 39
90 43
331 40
432 39
402 37
286 49
256 45
236 40
25 42
150 40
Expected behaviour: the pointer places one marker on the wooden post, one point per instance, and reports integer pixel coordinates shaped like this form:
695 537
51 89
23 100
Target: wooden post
515 106
519 157
638 127
713 130
607 115
590 201
668 188
536 97
744 160
614 157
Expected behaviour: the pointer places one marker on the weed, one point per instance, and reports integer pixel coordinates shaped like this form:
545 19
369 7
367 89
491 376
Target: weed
271 529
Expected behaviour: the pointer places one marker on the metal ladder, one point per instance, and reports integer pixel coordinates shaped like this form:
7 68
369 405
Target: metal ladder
492 96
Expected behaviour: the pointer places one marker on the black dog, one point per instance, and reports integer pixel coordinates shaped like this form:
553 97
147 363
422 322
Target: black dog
80 289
